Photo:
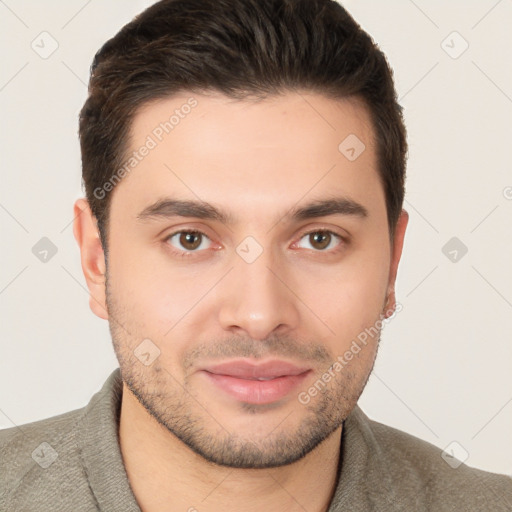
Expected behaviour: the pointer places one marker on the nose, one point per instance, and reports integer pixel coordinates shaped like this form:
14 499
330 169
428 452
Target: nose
256 299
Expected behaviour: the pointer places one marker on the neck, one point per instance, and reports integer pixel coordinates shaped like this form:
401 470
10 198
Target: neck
166 475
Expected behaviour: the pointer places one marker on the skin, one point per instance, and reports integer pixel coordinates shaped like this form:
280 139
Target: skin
184 442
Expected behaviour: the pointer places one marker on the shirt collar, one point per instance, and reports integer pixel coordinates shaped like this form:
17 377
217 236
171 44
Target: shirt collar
362 479
364 482
97 437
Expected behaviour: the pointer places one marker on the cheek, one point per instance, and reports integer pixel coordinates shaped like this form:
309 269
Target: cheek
156 294
350 297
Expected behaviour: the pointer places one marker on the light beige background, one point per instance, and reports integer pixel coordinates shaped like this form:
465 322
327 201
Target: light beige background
444 369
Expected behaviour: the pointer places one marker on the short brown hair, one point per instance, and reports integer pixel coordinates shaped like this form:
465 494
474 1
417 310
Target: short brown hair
240 48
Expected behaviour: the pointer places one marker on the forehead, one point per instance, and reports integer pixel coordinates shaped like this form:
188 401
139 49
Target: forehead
249 155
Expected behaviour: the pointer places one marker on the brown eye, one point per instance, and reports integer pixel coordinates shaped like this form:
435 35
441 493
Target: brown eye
321 240
188 240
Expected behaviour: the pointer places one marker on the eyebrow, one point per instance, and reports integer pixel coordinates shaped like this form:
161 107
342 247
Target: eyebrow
170 207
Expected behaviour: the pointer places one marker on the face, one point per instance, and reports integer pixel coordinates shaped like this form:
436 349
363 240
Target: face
247 244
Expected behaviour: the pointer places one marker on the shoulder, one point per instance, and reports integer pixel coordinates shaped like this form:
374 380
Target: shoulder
23 446
14 438
40 464
430 476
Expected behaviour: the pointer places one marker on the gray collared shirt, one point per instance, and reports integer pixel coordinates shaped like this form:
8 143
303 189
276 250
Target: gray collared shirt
72 462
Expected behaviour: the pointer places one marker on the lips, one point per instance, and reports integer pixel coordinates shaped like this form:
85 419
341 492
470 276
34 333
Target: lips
263 383
268 370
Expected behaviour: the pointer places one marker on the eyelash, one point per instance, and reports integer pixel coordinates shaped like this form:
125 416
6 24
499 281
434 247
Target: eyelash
184 254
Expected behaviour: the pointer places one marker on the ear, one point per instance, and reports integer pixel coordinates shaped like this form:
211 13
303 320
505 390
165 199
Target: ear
92 257
396 252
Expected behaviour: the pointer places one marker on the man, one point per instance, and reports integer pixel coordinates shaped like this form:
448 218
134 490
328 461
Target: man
244 167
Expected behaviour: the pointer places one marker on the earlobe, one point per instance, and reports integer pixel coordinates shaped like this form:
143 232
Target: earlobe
390 304
92 256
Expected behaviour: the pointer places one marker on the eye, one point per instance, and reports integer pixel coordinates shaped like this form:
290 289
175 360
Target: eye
320 240
188 240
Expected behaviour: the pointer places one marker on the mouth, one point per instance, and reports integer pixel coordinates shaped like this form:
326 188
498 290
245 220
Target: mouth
256 384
